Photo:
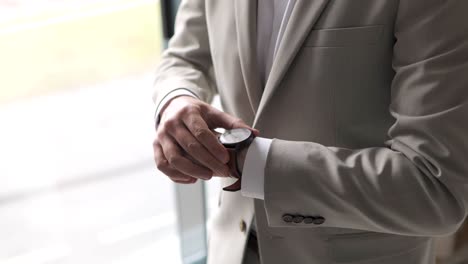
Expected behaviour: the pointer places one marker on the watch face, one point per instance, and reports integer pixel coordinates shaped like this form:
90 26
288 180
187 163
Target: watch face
235 136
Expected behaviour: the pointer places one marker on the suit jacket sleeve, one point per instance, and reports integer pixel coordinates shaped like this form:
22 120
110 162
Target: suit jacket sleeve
187 61
417 184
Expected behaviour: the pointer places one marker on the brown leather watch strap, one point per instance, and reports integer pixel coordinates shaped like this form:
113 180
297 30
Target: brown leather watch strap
233 171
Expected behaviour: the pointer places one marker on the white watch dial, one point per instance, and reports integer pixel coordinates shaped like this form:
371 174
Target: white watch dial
235 135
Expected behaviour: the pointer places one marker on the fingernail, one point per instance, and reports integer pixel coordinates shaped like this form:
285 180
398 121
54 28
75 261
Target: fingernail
225 158
208 177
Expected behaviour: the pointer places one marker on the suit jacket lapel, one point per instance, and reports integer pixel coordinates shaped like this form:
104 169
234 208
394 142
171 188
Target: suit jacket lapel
246 26
303 17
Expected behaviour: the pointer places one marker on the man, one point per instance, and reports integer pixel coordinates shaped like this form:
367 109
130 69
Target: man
359 108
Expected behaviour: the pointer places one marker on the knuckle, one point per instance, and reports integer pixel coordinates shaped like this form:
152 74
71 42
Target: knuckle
161 164
204 107
170 124
237 122
156 142
174 160
191 109
200 133
162 130
159 137
193 147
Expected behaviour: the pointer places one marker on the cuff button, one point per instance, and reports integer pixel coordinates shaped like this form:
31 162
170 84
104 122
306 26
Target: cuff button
298 219
288 218
319 220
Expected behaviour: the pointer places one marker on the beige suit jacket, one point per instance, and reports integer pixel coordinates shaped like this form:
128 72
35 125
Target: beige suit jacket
367 102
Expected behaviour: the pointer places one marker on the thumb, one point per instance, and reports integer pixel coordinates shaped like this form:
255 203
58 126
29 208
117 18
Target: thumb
221 119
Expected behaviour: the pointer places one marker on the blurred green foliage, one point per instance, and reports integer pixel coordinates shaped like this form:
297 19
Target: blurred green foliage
72 48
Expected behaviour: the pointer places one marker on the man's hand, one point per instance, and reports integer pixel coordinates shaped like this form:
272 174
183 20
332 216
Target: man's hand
186 148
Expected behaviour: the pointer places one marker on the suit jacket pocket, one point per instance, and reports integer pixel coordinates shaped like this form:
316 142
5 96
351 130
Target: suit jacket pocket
342 37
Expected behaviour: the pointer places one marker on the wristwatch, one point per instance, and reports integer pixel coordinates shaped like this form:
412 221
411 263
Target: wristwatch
235 140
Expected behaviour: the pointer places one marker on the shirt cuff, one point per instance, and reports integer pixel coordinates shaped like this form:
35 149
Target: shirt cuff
253 174
169 97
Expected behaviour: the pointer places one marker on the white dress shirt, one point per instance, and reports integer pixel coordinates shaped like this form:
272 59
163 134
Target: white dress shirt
272 18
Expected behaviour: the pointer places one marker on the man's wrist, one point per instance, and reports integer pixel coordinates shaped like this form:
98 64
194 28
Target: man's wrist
165 106
162 105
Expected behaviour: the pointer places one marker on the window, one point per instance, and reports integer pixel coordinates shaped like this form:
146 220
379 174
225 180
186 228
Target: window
78 183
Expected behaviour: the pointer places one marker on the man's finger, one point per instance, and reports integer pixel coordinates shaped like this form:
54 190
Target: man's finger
178 161
192 180
198 152
200 130
164 167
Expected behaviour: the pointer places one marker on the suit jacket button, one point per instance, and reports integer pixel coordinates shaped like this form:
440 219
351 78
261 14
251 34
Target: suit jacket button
288 218
298 219
242 226
319 220
309 220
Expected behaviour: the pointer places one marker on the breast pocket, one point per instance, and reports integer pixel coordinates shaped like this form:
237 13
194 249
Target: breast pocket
343 37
